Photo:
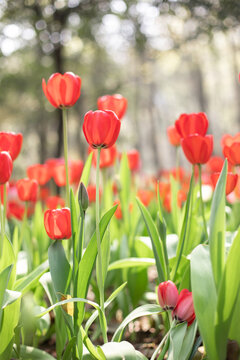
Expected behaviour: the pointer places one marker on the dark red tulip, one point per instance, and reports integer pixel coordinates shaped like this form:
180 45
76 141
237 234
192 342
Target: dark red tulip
107 156
184 310
197 148
40 173
167 295
11 142
190 124
173 136
134 161
62 90
6 166
27 189
116 103
231 181
53 202
58 223
101 128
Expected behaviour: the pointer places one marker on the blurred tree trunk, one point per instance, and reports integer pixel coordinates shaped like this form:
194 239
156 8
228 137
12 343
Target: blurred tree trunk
197 77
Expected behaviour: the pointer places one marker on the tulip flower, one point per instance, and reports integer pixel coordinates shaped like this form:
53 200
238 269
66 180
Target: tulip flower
75 170
231 181
62 90
53 202
145 196
184 310
134 161
197 148
11 142
58 223
232 153
116 103
190 124
101 128
6 166
27 189
91 190
167 295
173 136
40 173
215 164
107 157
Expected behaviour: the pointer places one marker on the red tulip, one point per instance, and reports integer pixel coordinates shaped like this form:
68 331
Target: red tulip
181 198
62 90
228 140
190 124
215 164
167 295
27 189
145 196
232 153
231 181
74 171
40 173
91 190
11 142
184 310
6 166
58 223
116 103
118 212
52 162
134 161
101 128
53 202
197 148
173 136
107 156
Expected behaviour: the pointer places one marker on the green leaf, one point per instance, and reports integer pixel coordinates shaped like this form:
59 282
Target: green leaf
144 310
7 257
27 282
118 351
175 210
188 342
176 340
156 243
4 279
217 227
227 295
70 345
204 297
10 297
131 263
88 261
30 353
86 170
59 268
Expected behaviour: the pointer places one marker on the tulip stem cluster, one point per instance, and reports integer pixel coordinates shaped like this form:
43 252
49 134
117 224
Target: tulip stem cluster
65 144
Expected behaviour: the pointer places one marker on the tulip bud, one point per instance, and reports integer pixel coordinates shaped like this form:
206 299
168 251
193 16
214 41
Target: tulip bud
83 197
184 310
6 166
167 295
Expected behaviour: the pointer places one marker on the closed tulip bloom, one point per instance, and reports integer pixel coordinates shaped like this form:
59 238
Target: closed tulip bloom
58 223
116 103
40 173
215 164
231 181
145 196
189 124
6 166
62 90
101 128
184 310
232 153
167 295
134 161
197 148
53 202
173 136
27 189
107 156
74 172
11 142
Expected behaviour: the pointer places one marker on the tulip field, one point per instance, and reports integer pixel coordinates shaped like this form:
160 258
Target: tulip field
99 261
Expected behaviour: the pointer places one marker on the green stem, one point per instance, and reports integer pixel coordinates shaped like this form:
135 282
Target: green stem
164 341
4 204
2 229
65 145
201 201
178 163
99 262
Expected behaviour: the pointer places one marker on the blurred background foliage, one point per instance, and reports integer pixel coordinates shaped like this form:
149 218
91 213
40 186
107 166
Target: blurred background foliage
165 57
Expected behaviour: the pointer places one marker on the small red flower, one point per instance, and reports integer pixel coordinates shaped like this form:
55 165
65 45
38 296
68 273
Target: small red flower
107 156
134 161
6 166
40 173
58 223
145 196
184 310
101 128
11 142
167 295
116 103
53 202
27 189
190 124
91 190
74 171
173 136
197 148
215 164
231 181
62 90
232 153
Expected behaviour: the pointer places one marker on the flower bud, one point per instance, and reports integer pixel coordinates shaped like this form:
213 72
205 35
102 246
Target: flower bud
83 197
167 295
184 310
